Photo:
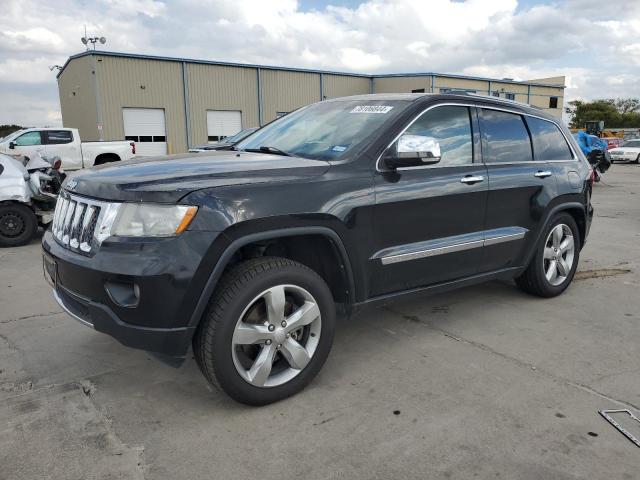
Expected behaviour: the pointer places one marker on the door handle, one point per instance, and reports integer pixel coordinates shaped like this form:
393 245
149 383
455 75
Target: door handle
542 174
470 179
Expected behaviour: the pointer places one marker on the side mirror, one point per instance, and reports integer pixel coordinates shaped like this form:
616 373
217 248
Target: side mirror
412 151
12 145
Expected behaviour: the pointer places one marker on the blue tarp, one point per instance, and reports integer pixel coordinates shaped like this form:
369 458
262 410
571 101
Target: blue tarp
588 143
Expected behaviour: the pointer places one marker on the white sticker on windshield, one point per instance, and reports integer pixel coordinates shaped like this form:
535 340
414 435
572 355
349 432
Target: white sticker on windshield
371 109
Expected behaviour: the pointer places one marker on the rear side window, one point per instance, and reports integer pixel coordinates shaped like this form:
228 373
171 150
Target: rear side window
548 141
451 128
58 137
506 138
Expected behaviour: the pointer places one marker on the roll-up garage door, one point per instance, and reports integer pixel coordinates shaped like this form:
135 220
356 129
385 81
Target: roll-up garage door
222 124
146 127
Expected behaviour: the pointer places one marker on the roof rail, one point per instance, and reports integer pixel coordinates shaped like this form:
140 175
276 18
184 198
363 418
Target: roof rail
495 99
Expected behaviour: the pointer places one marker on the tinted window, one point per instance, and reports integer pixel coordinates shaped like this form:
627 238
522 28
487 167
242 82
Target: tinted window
57 137
451 127
29 138
548 141
553 102
507 139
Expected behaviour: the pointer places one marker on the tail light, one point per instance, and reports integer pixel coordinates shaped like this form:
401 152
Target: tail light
133 148
592 176
57 164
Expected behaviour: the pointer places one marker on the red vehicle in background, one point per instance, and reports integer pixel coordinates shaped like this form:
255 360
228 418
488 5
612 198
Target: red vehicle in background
613 142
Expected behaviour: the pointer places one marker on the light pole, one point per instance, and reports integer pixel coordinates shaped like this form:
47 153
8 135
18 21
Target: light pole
93 40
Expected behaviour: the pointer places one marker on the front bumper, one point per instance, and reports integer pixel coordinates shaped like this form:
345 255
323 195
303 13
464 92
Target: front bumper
141 293
623 158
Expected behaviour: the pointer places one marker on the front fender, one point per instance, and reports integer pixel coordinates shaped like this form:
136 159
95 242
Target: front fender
233 245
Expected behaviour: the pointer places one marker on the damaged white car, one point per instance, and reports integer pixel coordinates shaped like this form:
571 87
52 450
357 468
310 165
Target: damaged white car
28 192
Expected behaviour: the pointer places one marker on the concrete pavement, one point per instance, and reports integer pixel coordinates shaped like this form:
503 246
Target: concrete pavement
485 382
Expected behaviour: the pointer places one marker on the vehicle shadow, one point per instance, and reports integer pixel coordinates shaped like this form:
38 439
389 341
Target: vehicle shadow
355 337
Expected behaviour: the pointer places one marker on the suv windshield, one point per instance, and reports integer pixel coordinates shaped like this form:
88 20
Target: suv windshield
325 130
632 143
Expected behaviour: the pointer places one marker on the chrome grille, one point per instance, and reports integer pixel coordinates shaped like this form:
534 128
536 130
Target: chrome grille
74 222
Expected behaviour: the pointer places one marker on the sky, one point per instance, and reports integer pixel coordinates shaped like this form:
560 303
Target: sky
594 43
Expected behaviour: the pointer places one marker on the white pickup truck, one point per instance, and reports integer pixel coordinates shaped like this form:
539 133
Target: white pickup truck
65 143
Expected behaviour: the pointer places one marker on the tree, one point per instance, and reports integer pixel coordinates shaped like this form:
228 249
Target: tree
627 105
620 112
7 129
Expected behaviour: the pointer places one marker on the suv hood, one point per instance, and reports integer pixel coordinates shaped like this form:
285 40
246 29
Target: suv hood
169 178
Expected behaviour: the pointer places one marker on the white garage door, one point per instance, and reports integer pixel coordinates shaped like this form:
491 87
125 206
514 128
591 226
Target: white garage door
221 124
146 127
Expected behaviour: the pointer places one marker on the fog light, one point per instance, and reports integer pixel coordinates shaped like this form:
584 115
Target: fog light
123 294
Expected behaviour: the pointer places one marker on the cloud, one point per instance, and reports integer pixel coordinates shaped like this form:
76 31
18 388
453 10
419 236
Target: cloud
596 48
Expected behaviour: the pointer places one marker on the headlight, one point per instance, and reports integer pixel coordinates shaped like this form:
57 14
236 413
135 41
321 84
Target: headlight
151 220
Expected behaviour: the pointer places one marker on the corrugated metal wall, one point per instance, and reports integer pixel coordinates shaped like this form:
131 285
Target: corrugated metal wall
401 84
78 98
149 83
342 86
480 86
284 91
214 87
540 98
141 83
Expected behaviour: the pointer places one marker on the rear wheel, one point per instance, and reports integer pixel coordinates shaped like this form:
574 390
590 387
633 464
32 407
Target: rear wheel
18 224
268 331
637 159
555 261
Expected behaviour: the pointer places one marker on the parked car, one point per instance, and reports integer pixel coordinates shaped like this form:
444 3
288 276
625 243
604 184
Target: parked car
225 144
629 151
613 142
65 143
251 255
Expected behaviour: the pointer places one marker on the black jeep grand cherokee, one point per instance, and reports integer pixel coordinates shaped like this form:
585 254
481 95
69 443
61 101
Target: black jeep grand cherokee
249 255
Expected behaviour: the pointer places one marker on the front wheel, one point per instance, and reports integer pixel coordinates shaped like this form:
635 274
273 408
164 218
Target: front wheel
555 261
268 330
18 224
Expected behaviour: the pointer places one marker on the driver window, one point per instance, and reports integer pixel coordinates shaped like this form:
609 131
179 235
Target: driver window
28 139
451 127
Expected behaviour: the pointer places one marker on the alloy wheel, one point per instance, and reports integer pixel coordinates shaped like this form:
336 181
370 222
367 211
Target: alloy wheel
276 336
558 256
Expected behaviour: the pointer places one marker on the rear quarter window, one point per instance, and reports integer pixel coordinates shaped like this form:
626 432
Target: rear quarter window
548 141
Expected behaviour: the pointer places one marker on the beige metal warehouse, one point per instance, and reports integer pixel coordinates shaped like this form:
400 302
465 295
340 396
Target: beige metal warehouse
169 104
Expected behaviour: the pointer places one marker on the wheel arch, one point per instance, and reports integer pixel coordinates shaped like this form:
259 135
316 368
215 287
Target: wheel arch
575 209
291 235
109 157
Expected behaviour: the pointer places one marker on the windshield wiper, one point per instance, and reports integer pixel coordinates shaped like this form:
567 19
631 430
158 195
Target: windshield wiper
266 149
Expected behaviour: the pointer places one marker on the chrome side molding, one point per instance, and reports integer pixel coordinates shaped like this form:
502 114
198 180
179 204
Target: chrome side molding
442 246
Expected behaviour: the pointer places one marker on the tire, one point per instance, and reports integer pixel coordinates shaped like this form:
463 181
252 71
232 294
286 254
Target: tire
239 305
18 225
535 280
637 159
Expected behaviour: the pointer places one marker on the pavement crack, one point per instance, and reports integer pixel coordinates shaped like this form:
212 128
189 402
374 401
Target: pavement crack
35 315
516 361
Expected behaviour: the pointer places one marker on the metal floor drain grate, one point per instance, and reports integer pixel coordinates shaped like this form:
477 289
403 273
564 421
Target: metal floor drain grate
607 415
